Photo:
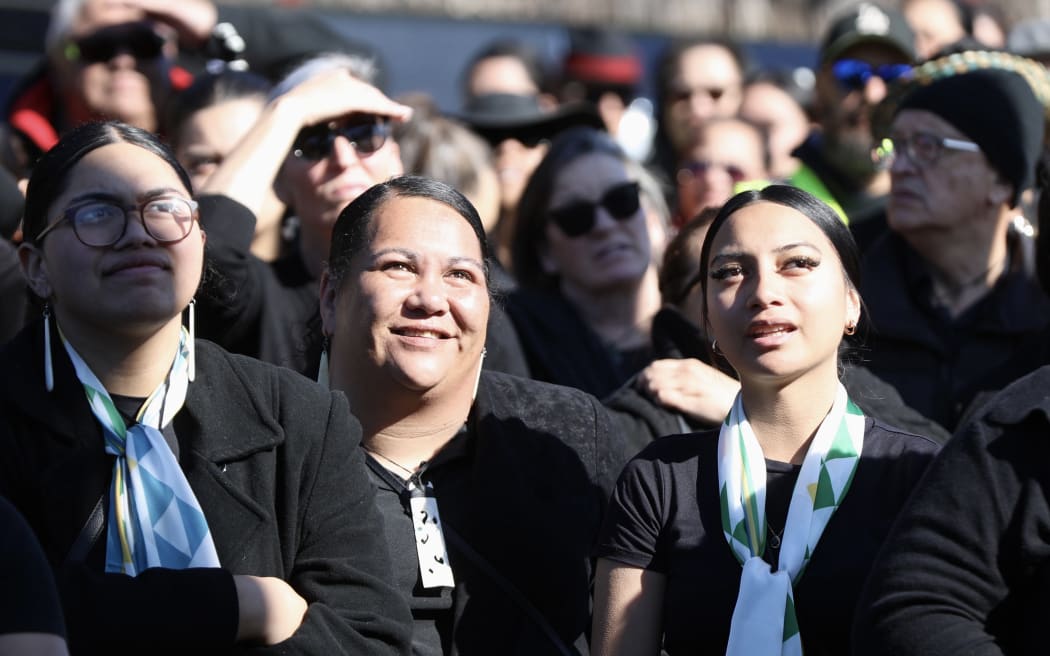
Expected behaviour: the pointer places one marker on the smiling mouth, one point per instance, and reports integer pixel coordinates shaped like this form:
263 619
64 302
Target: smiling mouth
421 333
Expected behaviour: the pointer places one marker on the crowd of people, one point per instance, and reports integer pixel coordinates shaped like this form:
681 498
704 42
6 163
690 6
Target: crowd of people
292 366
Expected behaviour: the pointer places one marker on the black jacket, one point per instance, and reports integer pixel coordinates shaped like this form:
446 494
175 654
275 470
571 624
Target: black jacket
525 485
560 348
967 568
274 462
938 364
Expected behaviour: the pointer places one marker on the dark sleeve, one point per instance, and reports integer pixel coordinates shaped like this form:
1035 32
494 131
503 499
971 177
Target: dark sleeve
342 567
12 292
880 400
155 609
236 283
277 39
28 598
631 531
972 534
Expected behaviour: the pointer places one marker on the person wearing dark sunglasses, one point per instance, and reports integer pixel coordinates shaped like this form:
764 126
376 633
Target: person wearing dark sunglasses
581 256
113 62
321 140
864 50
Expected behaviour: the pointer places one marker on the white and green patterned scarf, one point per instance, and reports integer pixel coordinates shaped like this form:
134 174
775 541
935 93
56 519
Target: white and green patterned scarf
155 519
764 621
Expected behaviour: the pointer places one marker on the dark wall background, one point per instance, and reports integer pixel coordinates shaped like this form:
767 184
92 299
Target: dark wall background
417 53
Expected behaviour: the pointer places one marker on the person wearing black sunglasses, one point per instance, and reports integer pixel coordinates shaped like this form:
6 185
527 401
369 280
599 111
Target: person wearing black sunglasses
322 139
124 60
581 256
863 51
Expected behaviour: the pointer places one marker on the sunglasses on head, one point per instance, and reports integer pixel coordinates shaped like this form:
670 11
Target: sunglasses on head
142 43
578 218
366 135
853 74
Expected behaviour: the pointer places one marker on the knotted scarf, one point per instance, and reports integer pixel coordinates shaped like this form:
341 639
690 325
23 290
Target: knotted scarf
764 621
154 517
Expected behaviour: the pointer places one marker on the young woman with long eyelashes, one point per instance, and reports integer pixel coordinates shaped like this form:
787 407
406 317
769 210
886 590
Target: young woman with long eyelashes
755 538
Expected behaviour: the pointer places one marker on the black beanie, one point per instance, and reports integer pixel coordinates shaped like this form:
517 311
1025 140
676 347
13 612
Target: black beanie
998 111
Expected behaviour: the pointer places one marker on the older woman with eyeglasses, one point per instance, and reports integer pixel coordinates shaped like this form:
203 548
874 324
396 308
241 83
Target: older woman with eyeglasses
188 500
581 255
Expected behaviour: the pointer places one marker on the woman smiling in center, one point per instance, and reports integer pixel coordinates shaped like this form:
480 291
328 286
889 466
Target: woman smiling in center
758 537
519 471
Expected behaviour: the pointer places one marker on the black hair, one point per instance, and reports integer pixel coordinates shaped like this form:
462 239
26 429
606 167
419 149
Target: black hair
532 208
353 229
211 89
801 201
51 173
680 270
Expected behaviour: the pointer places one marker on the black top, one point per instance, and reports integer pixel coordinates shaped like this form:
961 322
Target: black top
967 568
665 516
560 348
28 599
525 484
937 363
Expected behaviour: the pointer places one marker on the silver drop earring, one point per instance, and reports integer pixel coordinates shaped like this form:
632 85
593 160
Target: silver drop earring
191 357
49 372
322 369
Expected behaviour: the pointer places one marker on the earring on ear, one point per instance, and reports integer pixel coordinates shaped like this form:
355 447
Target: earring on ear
851 328
49 372
714 347
191 357
322 369
477 380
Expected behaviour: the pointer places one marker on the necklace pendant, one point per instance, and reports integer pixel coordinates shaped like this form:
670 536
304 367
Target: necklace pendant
774 540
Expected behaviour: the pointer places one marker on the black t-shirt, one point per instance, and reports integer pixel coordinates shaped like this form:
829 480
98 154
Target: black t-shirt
28 599
665 516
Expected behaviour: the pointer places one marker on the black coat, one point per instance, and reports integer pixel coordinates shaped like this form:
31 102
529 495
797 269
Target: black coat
967 567
936 363
274 462
561 348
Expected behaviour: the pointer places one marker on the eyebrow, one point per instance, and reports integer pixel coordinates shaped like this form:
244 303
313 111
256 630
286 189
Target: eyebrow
414 256
737 255
110 196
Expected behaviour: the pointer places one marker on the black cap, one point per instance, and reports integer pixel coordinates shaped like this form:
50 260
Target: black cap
997 110
868 23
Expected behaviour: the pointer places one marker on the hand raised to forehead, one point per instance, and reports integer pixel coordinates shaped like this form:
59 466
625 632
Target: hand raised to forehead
336 93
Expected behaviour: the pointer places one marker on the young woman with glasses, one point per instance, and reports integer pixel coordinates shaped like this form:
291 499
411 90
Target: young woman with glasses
581 256
756 537
188 500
